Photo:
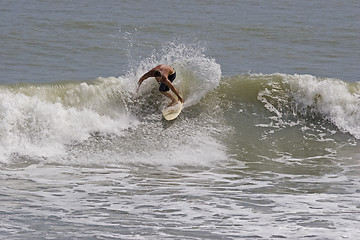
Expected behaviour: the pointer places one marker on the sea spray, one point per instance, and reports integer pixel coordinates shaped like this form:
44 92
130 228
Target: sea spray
197 74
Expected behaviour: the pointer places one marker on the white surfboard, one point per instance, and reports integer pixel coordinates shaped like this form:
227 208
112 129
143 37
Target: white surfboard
170 113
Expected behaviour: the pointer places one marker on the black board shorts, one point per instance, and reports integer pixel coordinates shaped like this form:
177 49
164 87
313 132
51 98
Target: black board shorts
163 87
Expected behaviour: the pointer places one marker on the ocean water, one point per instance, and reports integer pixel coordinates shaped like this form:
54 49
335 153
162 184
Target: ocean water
267 146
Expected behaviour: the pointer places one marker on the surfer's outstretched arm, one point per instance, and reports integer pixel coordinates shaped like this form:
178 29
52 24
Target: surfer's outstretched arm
150 73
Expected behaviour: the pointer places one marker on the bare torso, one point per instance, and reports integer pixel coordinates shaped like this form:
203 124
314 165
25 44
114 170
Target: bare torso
166 70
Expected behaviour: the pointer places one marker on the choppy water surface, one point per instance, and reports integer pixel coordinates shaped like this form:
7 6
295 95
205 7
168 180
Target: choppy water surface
265 148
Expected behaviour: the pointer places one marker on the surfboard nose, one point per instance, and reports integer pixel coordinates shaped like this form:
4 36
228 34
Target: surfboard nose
170 113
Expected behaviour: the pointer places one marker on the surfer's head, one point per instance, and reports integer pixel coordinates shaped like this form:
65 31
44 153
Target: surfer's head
157 73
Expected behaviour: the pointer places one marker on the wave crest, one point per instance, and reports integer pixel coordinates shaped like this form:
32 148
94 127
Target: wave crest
290 99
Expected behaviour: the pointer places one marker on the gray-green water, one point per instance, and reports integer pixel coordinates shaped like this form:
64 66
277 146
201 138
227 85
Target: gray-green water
266 146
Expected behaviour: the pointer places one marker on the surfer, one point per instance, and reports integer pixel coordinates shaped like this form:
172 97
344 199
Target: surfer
164 75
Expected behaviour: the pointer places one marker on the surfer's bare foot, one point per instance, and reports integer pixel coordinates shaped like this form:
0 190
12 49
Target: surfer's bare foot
173 103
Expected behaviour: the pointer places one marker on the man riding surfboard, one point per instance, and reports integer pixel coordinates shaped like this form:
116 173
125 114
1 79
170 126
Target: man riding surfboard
164 75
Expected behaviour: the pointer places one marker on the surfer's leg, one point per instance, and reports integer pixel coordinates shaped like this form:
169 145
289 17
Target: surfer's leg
173 100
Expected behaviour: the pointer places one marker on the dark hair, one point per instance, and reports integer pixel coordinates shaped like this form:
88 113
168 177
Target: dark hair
157 73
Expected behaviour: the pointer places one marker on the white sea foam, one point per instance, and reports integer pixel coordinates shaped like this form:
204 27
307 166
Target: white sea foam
333 100
32 126
196 151
336 100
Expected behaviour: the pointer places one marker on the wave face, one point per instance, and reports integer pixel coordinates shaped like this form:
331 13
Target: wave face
105 121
